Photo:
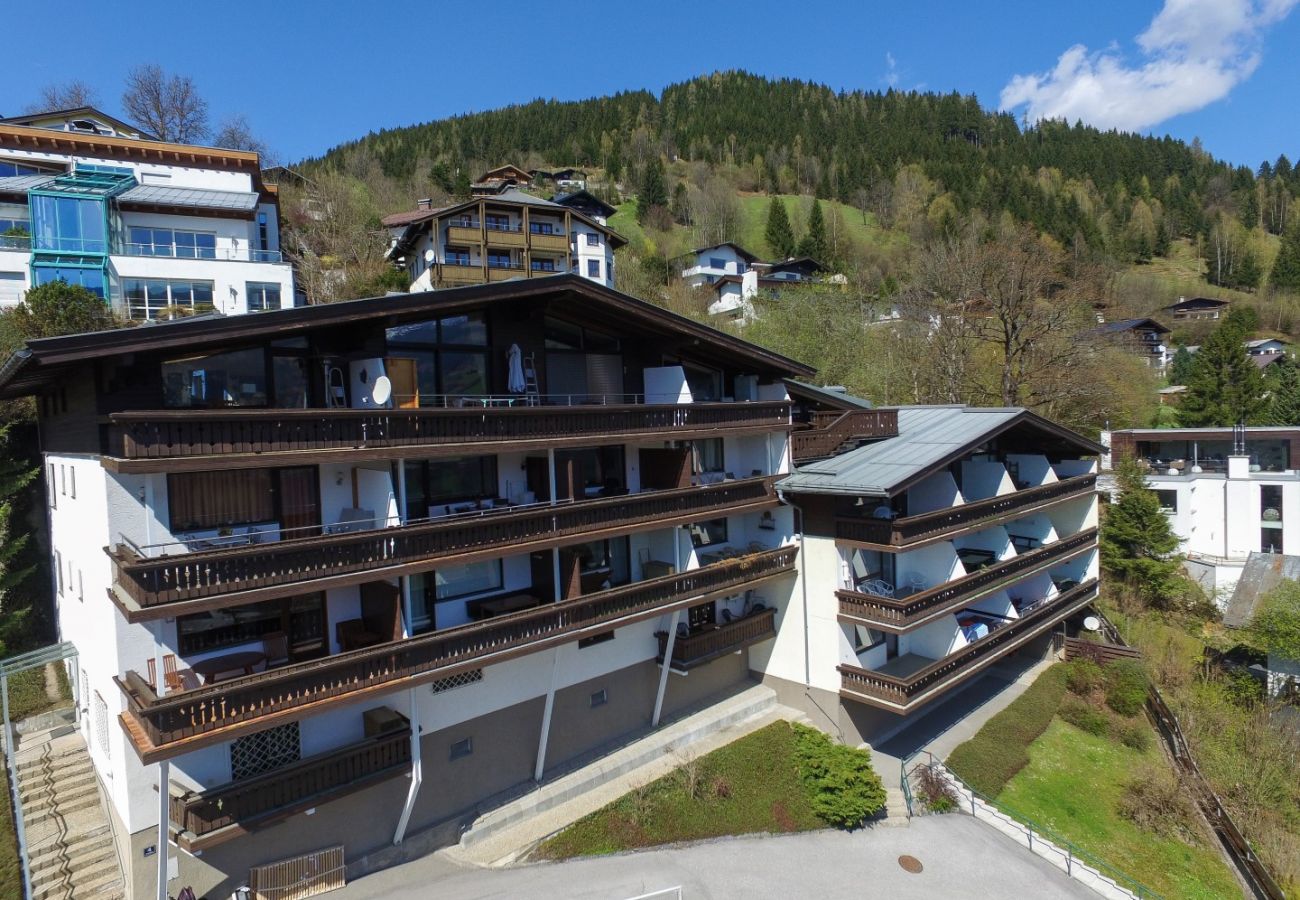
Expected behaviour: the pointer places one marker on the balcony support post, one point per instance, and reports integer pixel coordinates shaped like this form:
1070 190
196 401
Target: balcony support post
547 710
417 768
160 686
164 814
668 664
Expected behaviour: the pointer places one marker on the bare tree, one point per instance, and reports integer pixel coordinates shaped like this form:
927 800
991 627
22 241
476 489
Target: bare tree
236 134
69 95
167 105
715 212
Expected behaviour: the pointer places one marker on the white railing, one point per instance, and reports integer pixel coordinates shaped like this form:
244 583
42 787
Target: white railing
220 254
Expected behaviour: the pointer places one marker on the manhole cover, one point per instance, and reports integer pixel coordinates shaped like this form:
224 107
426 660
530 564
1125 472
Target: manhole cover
910 864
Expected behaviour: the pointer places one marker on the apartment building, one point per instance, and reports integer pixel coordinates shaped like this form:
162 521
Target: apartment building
1226 492
148 225
928 556
507 234
376 561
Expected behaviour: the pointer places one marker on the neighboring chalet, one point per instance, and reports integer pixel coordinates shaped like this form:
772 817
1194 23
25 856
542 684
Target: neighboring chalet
502 178
587 204
1145 337
1261 574
803 269
1197 308
498 237
1227 492
155 228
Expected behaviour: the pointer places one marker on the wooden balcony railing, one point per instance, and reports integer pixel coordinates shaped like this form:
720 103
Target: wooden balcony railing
904 694
279 568
832 432
704 646
162 727
928 526
558 243
176 434
900 614
199 817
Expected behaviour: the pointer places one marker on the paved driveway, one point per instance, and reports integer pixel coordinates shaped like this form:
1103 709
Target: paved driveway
961 857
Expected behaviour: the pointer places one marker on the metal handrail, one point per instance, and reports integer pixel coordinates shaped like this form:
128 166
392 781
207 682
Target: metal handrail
220 254
1117 877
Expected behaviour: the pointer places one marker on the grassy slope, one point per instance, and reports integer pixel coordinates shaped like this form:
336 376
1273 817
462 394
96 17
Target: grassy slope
753 222
1072 785
767 795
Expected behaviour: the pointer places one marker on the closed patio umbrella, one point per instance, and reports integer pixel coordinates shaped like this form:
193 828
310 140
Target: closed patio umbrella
516 369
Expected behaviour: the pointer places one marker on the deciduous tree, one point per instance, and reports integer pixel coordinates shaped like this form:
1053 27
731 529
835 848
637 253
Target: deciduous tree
68 95
170 106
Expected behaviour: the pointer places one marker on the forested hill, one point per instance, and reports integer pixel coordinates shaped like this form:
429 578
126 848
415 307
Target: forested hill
800 137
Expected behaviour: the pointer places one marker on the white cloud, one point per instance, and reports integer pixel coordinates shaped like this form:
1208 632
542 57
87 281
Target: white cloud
1194 52
891 69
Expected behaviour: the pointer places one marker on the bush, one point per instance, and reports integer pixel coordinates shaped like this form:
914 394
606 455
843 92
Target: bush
1000 749
842 786
1126 687
1155 800
1085 717
1083 676
1134 733
935 791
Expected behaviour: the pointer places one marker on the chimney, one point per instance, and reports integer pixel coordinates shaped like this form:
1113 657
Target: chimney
426 203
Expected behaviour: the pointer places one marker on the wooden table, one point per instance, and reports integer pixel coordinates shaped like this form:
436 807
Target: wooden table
497 606
246 661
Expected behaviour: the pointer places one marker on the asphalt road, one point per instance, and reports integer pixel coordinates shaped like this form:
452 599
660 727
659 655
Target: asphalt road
961 858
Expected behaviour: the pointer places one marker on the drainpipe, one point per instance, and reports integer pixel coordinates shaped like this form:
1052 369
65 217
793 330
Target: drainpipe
803 585
417 770
164 814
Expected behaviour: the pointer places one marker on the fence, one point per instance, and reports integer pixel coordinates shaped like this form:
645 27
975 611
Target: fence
1101 654
1076 862
1243 856
300 877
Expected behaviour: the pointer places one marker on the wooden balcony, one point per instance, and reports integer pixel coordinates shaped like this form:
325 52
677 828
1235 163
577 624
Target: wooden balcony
505 273
904 694
165 586
207 818
557 243
196 440
464 234
837 432
450 273
921 529
500 237
162 727
905 613
715 641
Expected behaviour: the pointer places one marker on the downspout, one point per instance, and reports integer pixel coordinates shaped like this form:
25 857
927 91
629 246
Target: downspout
417 770
803 585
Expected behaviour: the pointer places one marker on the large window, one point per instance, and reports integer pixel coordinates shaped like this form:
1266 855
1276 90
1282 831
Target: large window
263 295
595 469
450 355
146 298
470 578
90 277
301 619
1168 501
10 168
68 224
237 378
223 500
172 242
705 384
708 455
603 564
432 484
706 534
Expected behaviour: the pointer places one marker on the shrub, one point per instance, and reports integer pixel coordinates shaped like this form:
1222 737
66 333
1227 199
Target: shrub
1000 749
1085 716
1083 676
1126 687
721 787
1156 801
1133 733
842 787
935 791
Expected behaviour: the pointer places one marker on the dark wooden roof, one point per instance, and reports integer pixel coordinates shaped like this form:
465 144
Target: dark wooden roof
41 362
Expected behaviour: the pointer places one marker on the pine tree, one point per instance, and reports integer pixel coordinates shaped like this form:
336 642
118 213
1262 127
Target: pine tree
815 243
1138 545
652 193
1285 275
1284 393
1224 386
1180 369
681 206
779 235
16 565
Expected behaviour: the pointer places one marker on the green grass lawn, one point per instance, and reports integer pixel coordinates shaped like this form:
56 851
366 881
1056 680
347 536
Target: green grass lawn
11 874
749 786
1073 784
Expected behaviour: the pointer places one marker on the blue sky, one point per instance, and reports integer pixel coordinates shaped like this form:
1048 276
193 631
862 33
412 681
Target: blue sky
309 75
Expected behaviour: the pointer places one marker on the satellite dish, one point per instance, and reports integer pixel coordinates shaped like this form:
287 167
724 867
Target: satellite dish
382 390
429 256
1092 623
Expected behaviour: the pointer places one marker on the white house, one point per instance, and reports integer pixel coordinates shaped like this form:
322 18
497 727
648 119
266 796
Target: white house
1228 493
146 224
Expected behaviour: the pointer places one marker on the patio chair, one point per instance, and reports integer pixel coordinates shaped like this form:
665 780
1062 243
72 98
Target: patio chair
878 586
178 680
915 582
275 644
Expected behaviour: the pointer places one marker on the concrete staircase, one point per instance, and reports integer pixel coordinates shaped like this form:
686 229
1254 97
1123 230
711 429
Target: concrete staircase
895 808
69 842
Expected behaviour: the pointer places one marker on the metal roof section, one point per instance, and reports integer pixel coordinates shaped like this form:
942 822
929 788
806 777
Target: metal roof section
929 437
21 184
191 198
1262 573
829 395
